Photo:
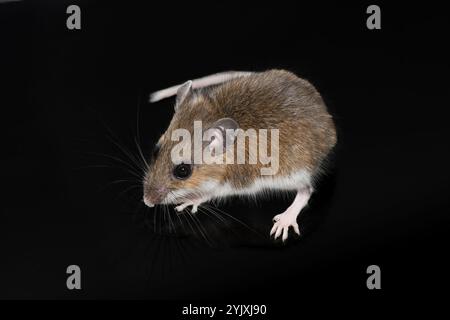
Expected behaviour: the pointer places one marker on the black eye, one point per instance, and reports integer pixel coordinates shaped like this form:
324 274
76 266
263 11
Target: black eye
182 171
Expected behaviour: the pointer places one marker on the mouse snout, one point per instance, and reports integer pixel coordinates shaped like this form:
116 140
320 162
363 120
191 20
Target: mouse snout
154 195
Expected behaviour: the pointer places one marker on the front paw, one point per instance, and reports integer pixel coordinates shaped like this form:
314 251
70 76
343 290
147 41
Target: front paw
182 206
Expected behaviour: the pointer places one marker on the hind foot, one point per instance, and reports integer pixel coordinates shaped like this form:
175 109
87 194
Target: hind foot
281 225
287 219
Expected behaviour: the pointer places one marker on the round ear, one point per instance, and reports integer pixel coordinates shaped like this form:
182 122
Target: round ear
183 92
221 135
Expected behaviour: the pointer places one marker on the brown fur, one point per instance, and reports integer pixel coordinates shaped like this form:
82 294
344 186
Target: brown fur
274 99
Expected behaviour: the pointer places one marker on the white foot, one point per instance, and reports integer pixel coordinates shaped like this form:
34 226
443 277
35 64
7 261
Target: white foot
183 206
287 219
282 222
186 204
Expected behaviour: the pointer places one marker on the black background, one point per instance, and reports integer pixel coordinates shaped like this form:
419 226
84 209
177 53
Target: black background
71 97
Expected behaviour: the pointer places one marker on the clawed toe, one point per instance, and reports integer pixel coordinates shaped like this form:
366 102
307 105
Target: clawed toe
183 206
276 218
180 207
281 226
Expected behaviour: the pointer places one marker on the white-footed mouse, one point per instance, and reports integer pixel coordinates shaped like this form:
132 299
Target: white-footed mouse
239 102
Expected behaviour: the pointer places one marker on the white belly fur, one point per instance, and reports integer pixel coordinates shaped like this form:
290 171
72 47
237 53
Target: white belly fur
292 182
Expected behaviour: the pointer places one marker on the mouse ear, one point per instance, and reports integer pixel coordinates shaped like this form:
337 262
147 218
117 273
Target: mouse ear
182 93
220 136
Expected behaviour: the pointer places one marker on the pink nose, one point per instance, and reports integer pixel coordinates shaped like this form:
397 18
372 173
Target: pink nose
148 203
154 196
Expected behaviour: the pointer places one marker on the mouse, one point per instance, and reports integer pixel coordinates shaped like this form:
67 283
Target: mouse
229 105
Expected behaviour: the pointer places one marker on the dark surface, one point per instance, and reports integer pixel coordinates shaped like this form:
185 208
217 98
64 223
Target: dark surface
70 97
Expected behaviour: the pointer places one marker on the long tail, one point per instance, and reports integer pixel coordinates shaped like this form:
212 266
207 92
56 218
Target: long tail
199 83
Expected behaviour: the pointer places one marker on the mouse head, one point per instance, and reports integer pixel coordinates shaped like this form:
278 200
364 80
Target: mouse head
184 165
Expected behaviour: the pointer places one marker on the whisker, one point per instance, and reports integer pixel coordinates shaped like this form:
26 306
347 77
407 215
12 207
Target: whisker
187 220
200 227
154 218
145 163
216 215
128 189
124 150
237 220
128 167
